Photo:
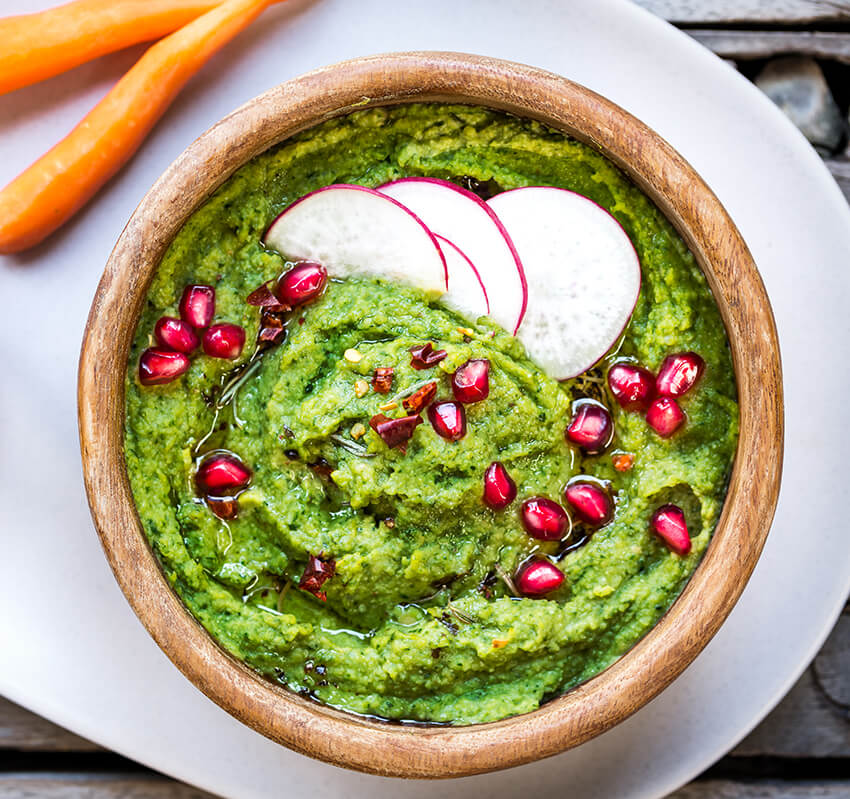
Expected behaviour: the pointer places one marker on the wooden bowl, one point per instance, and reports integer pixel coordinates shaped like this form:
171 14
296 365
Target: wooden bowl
586 711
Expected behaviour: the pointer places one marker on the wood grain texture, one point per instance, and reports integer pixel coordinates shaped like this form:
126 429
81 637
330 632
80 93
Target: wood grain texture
747 45
95 786
681 634
765 12
22 730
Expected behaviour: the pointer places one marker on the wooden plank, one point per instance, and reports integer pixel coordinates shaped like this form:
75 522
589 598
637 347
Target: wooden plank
747 45
22 730
762 789
812 721
782 12
95 786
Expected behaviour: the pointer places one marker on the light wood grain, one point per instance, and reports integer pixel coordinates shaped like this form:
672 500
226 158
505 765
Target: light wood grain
747 45
694 618
20 729
95 786
763 789
783 12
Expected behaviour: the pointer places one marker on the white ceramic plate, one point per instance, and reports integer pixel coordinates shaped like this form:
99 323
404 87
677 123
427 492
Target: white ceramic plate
71 648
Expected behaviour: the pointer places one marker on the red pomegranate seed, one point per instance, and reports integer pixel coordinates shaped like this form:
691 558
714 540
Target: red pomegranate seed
668 523
220 474
161 366
175 334
665 416
316 573
421 398
678 374
301 284
448 419
471 382
537 577
499 487
197 306
382 380
223 507
426 356
590 501
224 341
632 386
395 432
544 519
591 427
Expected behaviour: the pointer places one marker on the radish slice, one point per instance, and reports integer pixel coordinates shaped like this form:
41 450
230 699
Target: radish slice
352 230
467 221
466 293
583 275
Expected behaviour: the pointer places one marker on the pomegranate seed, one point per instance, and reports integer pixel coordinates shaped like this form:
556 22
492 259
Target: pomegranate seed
223 507
382 380
471 382
448 419
668 523
665 416
224 341
421 399
537 577
426 356
632 386
678 374
197 306
544 519
220 474
316 573
591 427
395 432
301 284
499 487
590 501
161 366
175 334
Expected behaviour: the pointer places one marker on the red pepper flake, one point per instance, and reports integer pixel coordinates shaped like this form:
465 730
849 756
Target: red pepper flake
316 573
223 507
421 398
263 297
498 643
395 432
272 330
321 467
426 356
382 380
623 461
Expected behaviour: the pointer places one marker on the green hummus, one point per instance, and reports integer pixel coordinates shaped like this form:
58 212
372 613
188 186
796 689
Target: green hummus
417 623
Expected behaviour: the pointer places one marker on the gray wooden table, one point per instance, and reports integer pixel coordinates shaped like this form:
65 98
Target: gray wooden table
802 750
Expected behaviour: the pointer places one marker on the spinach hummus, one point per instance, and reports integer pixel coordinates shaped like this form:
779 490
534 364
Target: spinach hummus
370 575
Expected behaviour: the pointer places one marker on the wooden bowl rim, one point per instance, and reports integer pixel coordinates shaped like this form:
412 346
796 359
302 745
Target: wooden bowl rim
658 658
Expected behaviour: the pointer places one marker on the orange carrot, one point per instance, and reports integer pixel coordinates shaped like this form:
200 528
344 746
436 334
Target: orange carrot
37 46
47 194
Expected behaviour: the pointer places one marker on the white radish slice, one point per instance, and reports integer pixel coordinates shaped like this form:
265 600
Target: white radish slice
583 275
466 293
467 221
352 230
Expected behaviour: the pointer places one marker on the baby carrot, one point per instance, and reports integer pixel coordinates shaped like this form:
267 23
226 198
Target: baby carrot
37 46
47 194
